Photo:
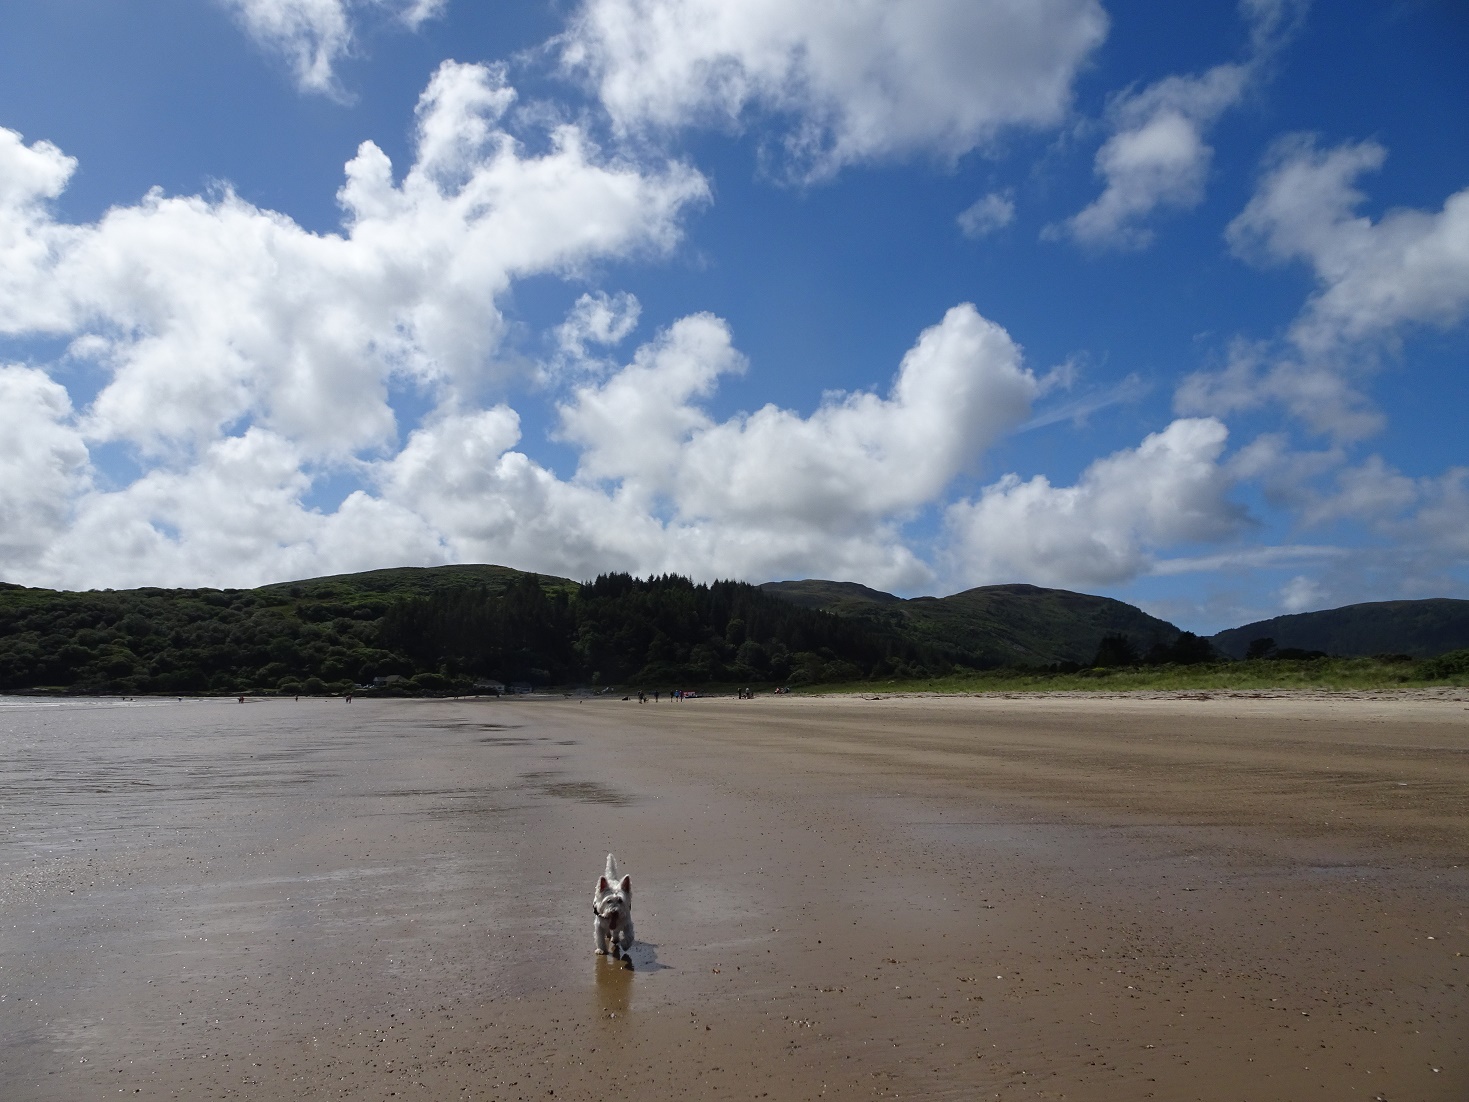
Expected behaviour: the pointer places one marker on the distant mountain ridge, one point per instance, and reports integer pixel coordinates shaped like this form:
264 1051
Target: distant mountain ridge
1421 629
992 625
443 628
1021 624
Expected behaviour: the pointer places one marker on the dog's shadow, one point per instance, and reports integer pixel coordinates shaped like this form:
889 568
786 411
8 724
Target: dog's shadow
642 957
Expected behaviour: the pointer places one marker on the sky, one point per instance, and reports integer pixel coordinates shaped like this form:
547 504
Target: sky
1163 302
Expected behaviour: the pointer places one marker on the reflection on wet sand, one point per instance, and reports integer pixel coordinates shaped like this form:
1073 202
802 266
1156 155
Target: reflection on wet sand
614 989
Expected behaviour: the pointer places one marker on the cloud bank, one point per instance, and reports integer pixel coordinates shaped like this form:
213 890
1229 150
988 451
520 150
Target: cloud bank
240 359
230 404
241 363
201 313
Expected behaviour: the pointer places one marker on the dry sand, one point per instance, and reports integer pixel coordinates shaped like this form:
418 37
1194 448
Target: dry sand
1079 898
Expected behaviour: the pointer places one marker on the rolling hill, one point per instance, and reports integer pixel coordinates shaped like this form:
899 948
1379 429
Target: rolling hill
436 629
1421 629
993 625
444 628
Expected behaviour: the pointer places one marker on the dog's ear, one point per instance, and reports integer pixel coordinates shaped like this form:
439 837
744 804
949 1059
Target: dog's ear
626 885
601 883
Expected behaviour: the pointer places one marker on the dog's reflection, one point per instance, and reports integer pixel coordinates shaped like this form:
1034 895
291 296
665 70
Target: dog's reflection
614 988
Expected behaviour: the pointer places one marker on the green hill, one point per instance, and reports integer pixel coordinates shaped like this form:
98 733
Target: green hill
994 625
438 629
326 631
1421 629
839 598
409 581
442 629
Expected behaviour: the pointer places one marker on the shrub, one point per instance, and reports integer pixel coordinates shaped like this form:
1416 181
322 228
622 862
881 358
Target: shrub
1452 666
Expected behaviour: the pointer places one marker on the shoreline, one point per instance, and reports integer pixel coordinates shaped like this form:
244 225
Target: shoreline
1451 693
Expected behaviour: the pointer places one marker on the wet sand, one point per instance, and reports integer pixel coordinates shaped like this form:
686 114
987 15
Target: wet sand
1030 898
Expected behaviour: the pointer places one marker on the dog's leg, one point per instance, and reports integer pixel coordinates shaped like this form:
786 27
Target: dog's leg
624 932
599 924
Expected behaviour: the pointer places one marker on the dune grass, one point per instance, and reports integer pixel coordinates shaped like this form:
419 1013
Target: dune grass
1319 673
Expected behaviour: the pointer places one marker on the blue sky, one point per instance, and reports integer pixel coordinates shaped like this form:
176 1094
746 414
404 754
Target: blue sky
1166 302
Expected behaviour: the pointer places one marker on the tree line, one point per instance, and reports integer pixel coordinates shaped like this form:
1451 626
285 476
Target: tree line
331 636
663 630
451 628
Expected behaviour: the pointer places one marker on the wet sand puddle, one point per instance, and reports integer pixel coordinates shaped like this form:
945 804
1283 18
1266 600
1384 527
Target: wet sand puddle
551 782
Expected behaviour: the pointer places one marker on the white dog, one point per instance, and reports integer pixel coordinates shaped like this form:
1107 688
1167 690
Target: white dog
612 904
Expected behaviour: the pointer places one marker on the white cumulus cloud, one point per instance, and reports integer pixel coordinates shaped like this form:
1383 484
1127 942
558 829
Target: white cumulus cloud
240 358
1408 267
859 81
313 35
43 463
1302 594
857 459
1322 395
1157 156
664 486
236 517
203 312
987 214
1376 280
596 319
1107 528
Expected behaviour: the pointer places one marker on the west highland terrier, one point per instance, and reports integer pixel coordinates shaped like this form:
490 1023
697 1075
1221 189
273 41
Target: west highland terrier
612 904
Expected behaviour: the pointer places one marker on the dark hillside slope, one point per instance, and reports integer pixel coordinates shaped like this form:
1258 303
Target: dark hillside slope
840 598
994 625
325 631
1418 628
1025 624
412 581
434 629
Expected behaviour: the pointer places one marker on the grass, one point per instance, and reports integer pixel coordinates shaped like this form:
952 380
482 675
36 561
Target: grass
1317 673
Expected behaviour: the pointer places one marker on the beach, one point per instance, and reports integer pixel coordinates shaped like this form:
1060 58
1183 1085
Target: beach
1188 896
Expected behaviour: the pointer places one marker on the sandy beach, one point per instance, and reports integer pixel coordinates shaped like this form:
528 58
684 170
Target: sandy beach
1216 897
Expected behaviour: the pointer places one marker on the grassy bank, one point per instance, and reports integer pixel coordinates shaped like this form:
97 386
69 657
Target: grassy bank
1317 673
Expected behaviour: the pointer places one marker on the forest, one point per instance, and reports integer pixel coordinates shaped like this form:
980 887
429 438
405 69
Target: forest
331 635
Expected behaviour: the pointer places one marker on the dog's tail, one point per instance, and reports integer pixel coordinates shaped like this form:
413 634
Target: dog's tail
611 872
